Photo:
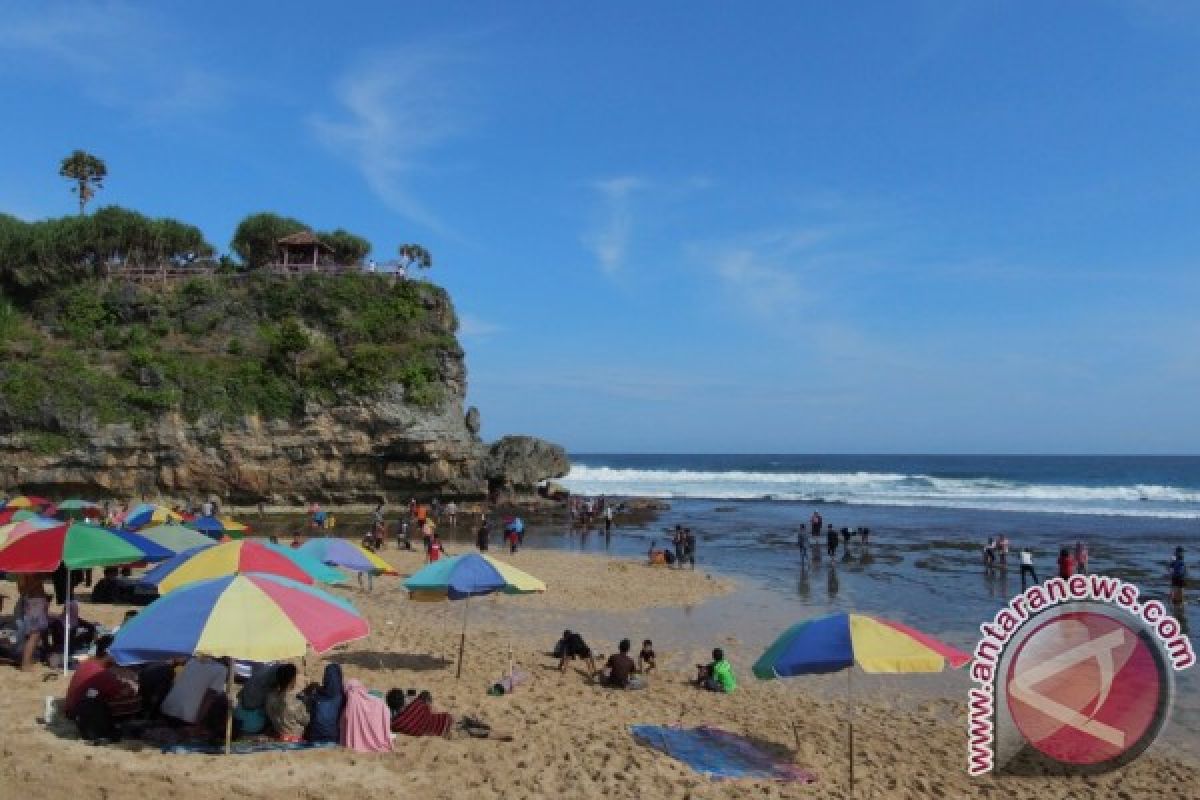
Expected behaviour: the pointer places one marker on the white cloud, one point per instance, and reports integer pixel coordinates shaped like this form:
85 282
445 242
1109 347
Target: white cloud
396 108
609 240
118 55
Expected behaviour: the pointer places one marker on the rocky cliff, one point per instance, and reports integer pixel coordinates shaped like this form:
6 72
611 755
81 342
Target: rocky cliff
350 413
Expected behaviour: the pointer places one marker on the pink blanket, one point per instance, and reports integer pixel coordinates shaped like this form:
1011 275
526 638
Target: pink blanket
365 721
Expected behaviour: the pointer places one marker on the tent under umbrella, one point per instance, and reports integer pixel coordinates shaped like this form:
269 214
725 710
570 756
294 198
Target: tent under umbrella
839 641
347 555
203 563
75 545
175 538
467 576
252 617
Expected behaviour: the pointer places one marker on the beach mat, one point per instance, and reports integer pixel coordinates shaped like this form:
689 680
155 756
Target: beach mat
243 748
719 753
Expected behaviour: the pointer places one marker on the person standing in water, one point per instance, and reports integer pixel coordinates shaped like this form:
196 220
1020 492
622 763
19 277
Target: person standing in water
1081 556
1027 567
1002 551
831 540
1178 575
815 523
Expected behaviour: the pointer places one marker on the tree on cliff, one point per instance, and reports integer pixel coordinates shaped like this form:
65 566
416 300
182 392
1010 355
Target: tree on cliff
255 239
414 255
88 173
348 248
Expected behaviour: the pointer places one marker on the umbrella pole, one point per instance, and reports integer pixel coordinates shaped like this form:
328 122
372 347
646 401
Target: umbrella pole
462 641
850 719
66 622
229 709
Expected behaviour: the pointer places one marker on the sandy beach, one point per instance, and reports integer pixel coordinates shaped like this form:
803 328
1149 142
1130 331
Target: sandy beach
571 737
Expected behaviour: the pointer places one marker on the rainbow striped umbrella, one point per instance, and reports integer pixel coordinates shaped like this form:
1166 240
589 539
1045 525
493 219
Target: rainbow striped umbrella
348 555
77 545
21 501
464 577
150 514
254 617
230 558
15 530
839 641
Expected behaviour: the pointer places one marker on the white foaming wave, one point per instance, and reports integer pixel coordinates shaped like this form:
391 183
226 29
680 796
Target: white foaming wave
884 488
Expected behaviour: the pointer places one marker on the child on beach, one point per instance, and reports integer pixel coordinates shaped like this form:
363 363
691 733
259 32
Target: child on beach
716 676
646 658
572 646
1027 567
435 549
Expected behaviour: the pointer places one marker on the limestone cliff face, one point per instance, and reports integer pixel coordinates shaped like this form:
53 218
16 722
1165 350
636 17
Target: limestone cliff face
349 451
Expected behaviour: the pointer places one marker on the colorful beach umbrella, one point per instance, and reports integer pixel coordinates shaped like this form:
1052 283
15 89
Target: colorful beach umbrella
176 538
252 617
154 551
230 558
467 576
319 570
347 555
144 514
232 525
839 641
15 530
78 545
76 504
22 501
214 527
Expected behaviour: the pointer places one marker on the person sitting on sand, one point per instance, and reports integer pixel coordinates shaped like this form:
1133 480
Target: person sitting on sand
285 709
716 676
106 589
325 702
646 658
619 670
419 719
572 646
196 690
113 685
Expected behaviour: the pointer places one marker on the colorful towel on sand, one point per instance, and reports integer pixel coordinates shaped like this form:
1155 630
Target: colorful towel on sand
719 753
418 719
241 748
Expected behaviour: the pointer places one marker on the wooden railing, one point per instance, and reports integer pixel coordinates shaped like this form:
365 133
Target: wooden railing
172 273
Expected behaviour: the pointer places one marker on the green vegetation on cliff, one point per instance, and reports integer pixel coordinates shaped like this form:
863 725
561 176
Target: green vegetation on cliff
77 349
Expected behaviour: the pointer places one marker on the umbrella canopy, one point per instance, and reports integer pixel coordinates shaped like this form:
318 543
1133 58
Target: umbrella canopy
153 550
231 524
77 545
213 526
319 570
348 555
838 641
15 530
469 576
21 501
231 558
76 504
145 514
253 617
175 538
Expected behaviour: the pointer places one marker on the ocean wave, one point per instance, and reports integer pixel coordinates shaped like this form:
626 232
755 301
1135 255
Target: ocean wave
888 488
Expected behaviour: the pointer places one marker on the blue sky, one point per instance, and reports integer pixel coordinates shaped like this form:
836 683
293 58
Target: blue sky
689 226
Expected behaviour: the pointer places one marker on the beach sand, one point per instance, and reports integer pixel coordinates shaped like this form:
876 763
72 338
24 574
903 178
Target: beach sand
572 737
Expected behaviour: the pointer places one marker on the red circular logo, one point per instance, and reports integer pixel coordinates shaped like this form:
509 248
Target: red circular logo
1084 688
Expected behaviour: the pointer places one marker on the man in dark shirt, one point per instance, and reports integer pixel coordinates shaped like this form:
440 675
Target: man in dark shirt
620 667
572 646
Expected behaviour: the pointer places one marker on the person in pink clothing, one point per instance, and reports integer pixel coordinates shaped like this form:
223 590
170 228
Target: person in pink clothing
366 721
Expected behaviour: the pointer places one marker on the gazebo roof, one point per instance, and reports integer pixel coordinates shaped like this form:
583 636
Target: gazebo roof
303 239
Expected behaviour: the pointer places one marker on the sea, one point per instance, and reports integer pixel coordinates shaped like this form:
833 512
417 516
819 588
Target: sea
929 518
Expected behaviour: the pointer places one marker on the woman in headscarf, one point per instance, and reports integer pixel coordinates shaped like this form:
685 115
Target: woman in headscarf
288 715
325 704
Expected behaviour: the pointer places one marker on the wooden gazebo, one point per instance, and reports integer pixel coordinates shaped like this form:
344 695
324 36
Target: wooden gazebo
302 249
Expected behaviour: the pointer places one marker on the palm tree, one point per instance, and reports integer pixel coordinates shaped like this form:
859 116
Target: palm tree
414 255
87 171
